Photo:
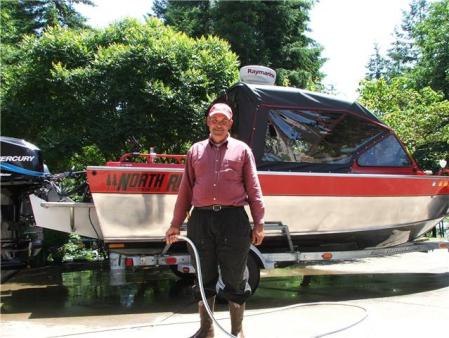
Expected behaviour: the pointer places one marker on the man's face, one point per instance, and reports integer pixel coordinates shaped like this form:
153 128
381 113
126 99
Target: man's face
219 126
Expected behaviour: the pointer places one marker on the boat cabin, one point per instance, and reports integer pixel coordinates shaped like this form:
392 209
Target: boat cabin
290 129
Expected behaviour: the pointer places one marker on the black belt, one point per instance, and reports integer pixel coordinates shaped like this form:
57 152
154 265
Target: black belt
217 207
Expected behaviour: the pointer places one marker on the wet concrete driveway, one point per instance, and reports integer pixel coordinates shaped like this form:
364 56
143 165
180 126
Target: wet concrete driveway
404 295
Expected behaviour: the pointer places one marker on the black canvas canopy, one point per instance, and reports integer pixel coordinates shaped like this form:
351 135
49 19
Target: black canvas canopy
294 129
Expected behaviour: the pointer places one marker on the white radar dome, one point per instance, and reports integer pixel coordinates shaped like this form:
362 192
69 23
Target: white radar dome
257 75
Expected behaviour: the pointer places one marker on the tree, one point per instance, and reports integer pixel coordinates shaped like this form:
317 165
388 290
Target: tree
404 53
376 65
71 89
420 51
412 94
431 36
190 17
271 33
22 17
420 117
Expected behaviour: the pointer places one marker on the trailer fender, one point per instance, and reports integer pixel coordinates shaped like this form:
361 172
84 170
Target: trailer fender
262 262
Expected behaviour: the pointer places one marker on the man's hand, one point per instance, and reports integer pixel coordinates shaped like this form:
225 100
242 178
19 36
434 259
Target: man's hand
258 234
171 236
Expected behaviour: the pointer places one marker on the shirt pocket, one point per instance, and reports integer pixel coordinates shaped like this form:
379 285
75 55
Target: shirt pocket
232 170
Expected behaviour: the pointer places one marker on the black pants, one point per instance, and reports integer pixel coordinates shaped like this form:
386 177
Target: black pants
223 240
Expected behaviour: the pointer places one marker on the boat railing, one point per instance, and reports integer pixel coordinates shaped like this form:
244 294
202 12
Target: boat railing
149 160
153 157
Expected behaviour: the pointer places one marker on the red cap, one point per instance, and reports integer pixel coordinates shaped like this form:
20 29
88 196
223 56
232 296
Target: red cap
221 108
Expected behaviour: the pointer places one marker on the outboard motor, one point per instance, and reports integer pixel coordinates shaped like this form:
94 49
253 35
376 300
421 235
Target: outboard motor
20 160
22 172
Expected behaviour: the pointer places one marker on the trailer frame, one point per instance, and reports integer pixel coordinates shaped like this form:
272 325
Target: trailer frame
120 261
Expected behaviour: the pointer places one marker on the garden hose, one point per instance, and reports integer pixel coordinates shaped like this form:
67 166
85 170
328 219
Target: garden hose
210 313
201 287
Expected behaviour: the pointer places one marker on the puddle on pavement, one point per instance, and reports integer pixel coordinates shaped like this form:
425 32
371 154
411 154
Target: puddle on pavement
58 292
55 292
286 290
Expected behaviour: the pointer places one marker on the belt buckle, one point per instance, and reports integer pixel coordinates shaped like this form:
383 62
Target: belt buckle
216 207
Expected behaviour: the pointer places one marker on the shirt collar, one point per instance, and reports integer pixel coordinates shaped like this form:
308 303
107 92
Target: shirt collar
218 145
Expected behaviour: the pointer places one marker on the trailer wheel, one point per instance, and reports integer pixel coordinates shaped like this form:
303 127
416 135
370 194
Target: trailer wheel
253 273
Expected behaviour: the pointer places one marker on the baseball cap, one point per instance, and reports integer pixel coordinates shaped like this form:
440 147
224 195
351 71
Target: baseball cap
221 108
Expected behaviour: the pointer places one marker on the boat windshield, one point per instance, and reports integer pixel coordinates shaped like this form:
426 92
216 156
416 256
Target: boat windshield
386 153
321 137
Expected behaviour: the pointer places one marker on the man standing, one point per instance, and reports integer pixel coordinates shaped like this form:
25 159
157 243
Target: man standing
220 177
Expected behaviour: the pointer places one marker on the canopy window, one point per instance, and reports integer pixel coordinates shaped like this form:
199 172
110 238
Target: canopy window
321 137
386 153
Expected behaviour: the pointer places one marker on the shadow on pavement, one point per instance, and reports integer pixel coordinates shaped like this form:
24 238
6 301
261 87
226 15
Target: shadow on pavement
281 291
59 292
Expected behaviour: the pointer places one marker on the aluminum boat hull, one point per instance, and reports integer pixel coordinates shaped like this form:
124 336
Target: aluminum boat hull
136 204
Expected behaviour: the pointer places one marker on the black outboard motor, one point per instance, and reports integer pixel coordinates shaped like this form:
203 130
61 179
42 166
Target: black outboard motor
22 172
20 160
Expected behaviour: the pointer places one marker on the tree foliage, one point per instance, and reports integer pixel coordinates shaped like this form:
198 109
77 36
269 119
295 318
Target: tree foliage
412 90
22 17
420 117
404 52
271 33
191 17
377 64
431 35
420 51
71 89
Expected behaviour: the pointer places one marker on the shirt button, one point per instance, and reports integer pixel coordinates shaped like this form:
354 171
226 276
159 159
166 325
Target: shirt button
215 185
215 199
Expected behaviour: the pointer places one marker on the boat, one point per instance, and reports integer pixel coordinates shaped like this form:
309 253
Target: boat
333 173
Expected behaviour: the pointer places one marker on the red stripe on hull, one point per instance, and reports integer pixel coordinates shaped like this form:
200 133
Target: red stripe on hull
329 185
151 181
